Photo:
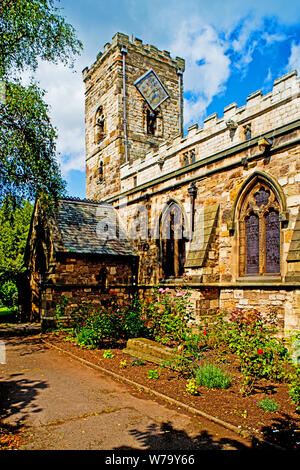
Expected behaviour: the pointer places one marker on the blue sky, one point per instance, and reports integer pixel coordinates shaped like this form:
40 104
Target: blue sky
231 48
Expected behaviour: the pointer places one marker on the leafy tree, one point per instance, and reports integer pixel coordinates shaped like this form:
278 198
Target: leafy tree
28 165
14 226
30 30
33 29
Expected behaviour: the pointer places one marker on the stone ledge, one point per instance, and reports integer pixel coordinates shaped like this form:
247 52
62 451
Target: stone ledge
149 350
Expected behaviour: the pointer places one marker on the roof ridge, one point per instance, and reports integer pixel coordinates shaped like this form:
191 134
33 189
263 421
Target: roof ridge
84 200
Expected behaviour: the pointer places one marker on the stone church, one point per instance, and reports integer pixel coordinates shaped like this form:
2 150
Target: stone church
216 209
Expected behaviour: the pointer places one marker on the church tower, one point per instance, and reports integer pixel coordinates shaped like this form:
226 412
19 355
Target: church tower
133 103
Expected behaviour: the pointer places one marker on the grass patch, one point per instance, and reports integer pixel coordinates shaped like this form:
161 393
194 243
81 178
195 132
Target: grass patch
267 404
212 376
7 311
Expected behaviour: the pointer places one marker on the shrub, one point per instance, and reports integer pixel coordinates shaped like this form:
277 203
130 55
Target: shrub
168 316
9 294
133 323
251 336
87 337
294 388
267 404
212 376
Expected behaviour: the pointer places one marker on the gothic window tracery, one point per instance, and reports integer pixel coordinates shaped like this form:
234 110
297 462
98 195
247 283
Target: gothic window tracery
259 224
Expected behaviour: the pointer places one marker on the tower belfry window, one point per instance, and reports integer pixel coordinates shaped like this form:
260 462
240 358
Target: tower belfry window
151 121
99 125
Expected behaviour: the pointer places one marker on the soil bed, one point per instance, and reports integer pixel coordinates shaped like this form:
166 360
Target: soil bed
281 427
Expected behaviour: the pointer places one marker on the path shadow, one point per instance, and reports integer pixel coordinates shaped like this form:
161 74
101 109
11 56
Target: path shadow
284 431
17 396
168 438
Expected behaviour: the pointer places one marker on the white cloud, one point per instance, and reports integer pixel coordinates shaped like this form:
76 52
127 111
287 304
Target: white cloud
65 97
207 66
294 60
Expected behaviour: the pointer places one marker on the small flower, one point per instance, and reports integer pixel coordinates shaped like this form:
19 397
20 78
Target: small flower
205 332
259 351
180 294
161 290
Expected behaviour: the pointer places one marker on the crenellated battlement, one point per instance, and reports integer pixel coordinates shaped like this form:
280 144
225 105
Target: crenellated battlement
261 113
136 45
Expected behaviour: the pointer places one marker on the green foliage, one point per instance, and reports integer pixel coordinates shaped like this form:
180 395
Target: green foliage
251 336
107 354
294 388
30 31
87 338
28 166
212 376
9 294
14 227
168 315
107 323
152 374
137 362
34 30
192 387
267 404
133 324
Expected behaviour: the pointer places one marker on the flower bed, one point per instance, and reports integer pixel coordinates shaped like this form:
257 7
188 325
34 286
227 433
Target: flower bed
233 367
281 427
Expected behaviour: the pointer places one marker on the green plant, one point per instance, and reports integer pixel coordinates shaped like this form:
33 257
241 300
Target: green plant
88 338
107 354
267 404
61 312
152 374
192 387
182 361
212 376
133 323
9 293
137 362
168 315
294 387
252 337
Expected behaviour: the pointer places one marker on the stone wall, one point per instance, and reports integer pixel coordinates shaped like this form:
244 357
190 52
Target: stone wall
82 279
222 168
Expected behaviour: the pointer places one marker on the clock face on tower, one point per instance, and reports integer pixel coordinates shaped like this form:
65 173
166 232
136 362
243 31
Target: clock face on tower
151 89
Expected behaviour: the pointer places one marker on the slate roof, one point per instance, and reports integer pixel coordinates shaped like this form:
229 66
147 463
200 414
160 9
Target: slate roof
89 227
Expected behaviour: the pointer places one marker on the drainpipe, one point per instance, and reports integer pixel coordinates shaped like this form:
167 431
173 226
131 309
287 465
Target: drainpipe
124 52
180 79
192 190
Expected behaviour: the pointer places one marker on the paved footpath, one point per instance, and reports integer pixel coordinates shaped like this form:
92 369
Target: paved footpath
65 405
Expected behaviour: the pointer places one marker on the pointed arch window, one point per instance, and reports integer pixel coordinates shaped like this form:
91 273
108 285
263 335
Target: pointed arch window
172 241
259 232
